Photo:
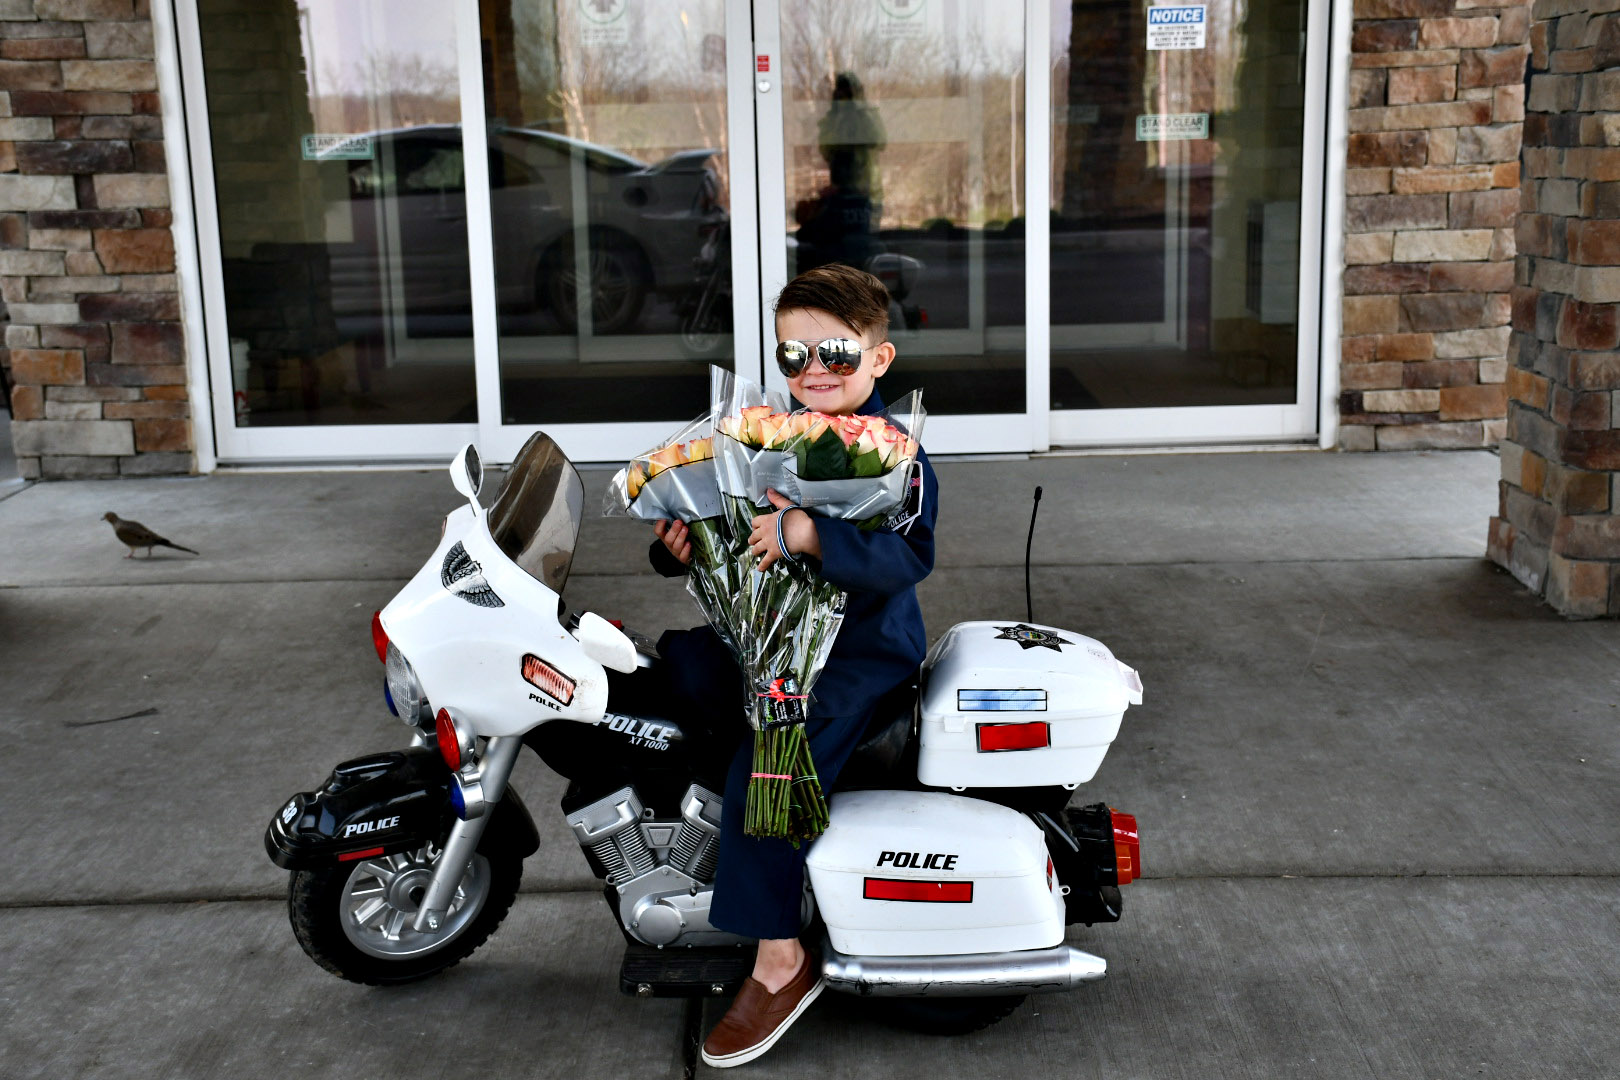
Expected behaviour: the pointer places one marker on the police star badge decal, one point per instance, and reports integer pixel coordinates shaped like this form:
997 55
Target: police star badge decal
1030 638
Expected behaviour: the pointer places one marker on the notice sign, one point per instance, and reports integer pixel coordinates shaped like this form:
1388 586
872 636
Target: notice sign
1160 127
1176 27
336 147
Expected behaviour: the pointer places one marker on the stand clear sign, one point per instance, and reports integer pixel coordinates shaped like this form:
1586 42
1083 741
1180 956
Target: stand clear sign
1161 127
339 147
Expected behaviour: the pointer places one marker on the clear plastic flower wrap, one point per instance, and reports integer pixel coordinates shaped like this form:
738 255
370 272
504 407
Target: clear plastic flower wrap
676 481
673 481
855 467
780 623
859 468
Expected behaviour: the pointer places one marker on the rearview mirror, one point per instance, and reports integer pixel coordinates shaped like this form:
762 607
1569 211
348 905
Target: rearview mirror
606 643
467 473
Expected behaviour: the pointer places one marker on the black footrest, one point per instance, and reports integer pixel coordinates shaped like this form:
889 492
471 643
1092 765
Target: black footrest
705 972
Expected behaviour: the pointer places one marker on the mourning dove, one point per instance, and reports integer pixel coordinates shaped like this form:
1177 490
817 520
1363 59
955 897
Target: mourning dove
132 534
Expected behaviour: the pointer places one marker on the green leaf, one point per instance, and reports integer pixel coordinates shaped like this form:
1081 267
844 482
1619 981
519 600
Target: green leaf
824 459
869 464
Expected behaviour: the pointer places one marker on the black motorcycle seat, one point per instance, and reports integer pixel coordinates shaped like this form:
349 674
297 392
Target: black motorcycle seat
883 747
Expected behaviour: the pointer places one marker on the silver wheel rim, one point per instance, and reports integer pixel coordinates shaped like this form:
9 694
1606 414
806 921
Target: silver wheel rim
610 286
382 896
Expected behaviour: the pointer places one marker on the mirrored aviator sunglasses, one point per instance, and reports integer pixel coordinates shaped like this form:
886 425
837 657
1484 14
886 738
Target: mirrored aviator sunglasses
841 356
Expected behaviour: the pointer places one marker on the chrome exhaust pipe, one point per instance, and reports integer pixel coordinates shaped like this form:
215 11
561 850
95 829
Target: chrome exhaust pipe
1037 971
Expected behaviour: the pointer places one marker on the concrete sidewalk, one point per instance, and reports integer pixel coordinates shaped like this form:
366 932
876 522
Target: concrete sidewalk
1375 778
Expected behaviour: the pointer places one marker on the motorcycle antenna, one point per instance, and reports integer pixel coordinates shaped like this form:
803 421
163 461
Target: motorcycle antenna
1029 602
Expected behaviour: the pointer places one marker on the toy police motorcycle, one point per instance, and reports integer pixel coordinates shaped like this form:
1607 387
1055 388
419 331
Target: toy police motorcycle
946 877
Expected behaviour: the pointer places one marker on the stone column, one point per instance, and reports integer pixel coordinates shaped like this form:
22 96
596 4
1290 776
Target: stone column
86 252
1436 100
1557 529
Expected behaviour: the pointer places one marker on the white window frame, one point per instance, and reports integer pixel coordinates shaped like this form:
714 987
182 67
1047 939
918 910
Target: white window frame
606 441
271 444
759 268
1293 422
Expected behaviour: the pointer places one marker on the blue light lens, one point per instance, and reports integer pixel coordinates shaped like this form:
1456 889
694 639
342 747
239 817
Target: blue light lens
388 696
458 803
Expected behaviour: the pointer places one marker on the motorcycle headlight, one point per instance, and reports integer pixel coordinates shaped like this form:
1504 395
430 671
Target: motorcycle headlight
404 689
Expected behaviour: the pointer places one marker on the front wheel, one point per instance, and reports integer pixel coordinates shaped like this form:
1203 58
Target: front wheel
355 920
948 1015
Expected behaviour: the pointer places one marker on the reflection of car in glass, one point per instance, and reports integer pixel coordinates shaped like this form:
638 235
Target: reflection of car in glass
409 216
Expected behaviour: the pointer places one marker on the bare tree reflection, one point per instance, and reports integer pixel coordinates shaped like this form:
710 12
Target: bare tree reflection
386 88
954 93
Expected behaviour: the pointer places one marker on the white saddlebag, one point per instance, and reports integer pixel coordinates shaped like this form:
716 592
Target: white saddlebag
1019 706
923 873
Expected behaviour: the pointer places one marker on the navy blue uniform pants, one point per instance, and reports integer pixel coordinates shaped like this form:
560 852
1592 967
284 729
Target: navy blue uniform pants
759 883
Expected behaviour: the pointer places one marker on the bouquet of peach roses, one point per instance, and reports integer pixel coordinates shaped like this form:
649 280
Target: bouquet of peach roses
780 623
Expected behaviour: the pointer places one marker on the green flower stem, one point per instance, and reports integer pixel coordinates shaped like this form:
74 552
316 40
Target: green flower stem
780 624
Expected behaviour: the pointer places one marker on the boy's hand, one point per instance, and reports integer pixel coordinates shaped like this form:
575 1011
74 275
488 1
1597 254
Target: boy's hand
798 532
677 538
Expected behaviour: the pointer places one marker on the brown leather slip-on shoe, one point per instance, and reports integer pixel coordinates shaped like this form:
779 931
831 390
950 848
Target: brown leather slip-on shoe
757 1018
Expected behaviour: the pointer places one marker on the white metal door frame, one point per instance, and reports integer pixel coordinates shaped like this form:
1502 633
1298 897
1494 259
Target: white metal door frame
765 106
759 267
177 152
1296 421
248 445
604 441
1038 223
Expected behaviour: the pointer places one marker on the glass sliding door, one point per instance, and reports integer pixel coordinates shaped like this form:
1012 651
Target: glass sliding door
610 196
898 126
423 223
1179 145
343 324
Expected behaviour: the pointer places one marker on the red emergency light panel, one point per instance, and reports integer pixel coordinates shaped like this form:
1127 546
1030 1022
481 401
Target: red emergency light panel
366 854
919 892
1036 735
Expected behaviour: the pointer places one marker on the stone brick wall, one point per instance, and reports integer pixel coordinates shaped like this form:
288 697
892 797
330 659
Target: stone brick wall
1432 191
1558 526
86 252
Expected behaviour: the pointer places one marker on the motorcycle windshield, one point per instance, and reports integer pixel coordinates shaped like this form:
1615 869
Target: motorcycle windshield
535 518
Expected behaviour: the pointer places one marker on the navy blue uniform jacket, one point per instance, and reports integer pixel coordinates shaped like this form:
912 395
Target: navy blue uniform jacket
882 641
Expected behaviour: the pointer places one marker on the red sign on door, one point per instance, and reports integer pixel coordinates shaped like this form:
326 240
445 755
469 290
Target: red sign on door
762 63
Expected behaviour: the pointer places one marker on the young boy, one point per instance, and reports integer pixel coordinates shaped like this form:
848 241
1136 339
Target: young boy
832 327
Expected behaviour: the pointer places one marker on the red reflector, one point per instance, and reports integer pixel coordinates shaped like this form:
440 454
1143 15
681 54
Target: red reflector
1049 873
1127 846
449 748
366 854
923 892
1030 736
547 678
379 636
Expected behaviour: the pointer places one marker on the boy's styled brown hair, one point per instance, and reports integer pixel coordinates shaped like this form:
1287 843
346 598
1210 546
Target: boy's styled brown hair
852 296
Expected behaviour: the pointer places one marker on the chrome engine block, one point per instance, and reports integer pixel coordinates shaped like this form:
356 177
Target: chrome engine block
662 871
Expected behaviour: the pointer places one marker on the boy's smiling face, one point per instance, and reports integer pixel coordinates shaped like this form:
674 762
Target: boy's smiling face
815 386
